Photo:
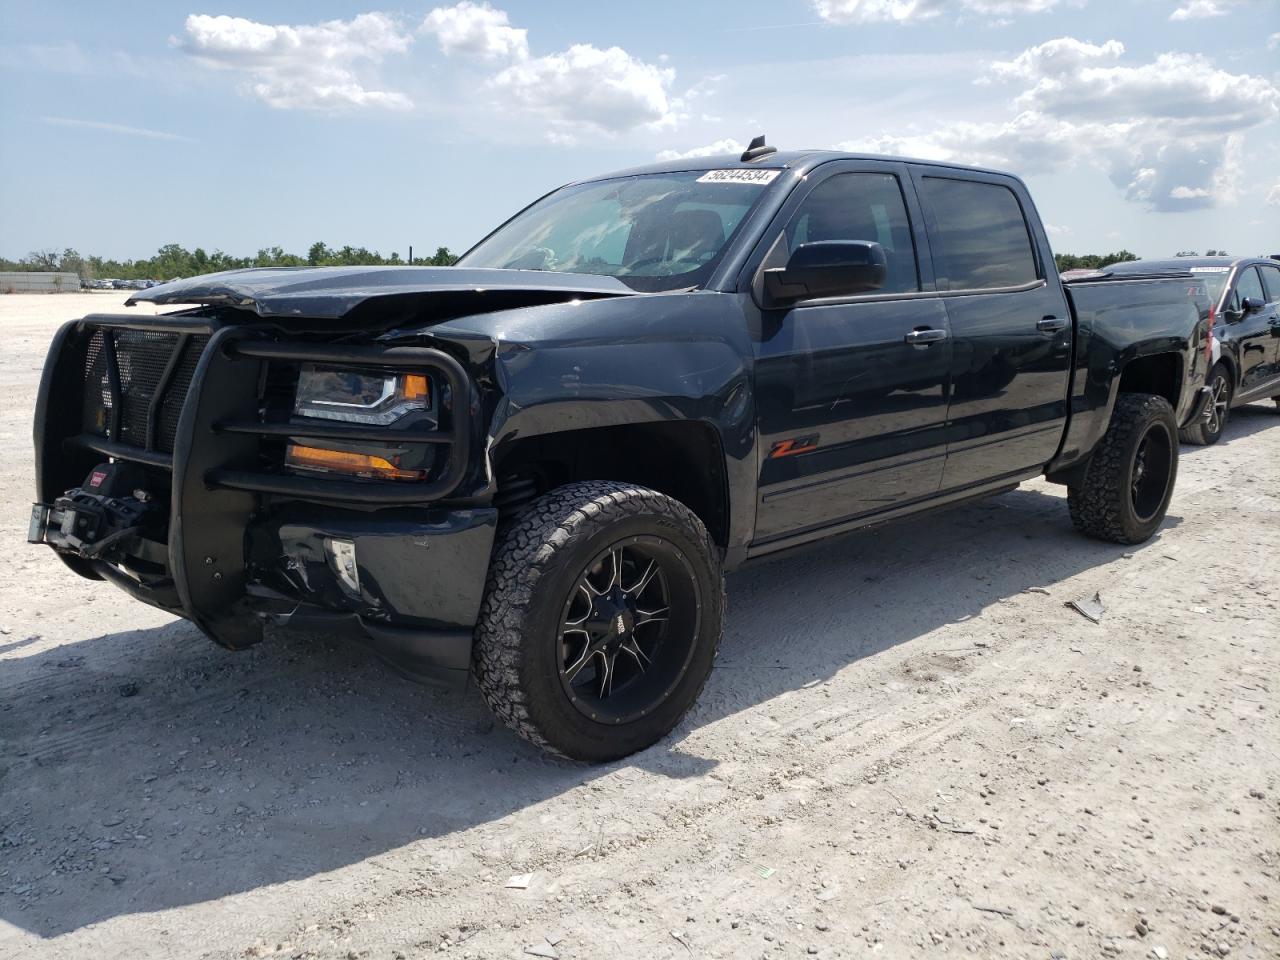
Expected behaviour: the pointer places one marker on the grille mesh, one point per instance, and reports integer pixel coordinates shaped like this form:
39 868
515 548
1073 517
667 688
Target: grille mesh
141 359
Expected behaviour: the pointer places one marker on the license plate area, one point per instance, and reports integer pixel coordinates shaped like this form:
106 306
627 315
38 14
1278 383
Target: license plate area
53 526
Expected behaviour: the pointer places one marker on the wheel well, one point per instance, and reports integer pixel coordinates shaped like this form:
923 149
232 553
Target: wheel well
1159 373
682 459
1226 361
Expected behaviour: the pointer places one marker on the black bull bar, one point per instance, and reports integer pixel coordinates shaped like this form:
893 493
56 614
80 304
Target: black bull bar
218 477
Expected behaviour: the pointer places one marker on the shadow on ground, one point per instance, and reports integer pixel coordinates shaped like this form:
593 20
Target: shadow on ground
145 770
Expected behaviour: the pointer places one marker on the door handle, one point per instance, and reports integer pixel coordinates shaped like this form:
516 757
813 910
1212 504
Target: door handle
1052 324
925 336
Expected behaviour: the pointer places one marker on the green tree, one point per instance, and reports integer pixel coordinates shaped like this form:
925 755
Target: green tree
1091 261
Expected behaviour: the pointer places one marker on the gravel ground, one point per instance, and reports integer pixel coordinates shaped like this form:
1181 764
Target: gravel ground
910 746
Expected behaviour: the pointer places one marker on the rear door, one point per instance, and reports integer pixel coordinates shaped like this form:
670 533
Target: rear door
1251 330
1010 326
850 401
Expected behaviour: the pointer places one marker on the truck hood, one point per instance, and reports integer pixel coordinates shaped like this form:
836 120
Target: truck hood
334 292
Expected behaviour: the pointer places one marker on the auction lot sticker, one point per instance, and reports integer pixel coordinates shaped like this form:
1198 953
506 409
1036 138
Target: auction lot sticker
759 177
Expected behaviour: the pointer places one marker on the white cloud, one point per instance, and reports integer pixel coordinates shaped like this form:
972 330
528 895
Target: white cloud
1168 132
581 90
725 146
1201 9
1273 195
908 11
1273 42
115 128
1054 58
477 30
309 66
606 91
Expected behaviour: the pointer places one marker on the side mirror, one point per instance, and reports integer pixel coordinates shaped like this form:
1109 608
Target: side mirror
1251 305
829 268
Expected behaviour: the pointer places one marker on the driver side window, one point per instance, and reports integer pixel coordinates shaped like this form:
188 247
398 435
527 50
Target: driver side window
861 206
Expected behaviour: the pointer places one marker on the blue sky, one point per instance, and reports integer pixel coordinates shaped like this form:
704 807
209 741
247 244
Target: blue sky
1148 124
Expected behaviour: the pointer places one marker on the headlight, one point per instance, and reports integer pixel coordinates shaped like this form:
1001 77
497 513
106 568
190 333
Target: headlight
334 393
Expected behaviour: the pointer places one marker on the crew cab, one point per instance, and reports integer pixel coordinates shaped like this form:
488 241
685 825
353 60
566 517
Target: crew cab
536 466
1245 293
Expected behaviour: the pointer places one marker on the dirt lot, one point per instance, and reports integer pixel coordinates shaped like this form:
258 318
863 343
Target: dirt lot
909 747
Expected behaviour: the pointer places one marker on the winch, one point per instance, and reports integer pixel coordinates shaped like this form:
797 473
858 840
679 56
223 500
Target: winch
111 509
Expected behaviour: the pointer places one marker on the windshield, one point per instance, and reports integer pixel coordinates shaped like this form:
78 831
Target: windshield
654 232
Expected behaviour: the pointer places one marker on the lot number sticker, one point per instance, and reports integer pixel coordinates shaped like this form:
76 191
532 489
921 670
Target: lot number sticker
760 178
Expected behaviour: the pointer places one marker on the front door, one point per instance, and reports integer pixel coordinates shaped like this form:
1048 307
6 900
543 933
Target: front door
850 397
1251 329
1271 284
1010 328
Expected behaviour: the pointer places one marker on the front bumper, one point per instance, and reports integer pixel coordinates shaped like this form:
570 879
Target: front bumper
245 545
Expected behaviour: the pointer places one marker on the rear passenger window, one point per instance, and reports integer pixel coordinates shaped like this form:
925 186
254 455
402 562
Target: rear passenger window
1271 278
982 240
861 206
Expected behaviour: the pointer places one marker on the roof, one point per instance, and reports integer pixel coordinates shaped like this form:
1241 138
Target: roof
782 160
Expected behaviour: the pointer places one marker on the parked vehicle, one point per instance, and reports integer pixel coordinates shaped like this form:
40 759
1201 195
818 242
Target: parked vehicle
1246 332
536 465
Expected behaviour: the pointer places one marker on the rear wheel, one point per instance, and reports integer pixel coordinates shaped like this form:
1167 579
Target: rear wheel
601 620
1208 430
1127 487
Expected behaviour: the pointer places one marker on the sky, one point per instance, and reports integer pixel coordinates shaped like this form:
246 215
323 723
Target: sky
1150 125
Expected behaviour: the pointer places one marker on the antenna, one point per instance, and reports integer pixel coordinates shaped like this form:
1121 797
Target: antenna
757 149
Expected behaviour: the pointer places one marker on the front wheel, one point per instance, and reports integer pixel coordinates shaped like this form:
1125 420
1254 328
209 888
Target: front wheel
1129 483
601 619
1208 430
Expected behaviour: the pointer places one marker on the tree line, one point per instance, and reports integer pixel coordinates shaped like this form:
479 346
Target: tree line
173 261
1091 261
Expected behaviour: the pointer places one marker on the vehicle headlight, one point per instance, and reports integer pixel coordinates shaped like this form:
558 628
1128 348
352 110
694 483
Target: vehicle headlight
360 396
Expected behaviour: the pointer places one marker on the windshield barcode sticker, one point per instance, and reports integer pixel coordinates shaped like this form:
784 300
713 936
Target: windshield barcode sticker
760 178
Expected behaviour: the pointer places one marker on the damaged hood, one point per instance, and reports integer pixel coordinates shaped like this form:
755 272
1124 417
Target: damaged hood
334 292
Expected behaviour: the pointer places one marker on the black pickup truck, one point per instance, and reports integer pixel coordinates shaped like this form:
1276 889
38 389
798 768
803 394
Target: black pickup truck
536 465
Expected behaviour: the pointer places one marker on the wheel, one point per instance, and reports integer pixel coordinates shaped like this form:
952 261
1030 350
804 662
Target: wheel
602 616
1129 481
1208 430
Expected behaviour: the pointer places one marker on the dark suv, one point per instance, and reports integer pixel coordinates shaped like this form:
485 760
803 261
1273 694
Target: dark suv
1246 332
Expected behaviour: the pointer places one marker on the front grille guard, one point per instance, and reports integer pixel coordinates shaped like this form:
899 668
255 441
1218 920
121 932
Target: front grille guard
456 438
217 478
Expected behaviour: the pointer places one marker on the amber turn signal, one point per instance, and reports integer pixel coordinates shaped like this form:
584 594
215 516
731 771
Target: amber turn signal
352 464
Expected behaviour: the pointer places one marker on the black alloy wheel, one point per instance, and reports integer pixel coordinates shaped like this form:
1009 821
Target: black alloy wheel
1153 461
626 635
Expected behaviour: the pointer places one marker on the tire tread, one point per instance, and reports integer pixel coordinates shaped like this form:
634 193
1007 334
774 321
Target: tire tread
1098 505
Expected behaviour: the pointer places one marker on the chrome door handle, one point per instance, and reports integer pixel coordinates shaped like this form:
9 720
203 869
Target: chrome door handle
926 336
1052 324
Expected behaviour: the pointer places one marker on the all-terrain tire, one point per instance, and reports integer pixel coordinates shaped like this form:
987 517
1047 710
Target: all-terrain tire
1204 433
516 657
1104 506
